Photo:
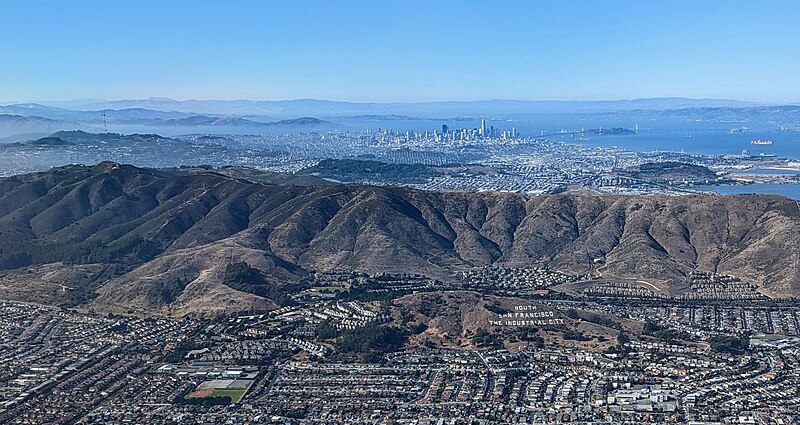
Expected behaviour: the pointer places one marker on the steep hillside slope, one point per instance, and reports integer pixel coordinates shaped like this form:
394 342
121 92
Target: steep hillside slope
172 235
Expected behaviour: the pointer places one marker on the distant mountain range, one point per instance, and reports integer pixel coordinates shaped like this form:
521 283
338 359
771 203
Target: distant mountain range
35 119
162 239
299 107
130 115
160 115
14 125
204 120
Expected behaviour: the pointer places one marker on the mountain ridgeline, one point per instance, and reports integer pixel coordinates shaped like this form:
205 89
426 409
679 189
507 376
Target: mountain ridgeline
173 238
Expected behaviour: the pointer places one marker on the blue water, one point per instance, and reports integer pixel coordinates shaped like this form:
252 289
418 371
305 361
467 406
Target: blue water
787 190
706 138
691 137
772 171
708 142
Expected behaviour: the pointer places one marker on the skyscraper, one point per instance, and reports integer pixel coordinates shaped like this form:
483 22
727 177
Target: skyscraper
444 128
483 128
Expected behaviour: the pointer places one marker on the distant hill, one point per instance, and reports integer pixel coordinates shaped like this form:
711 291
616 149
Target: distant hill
74 137
11 125
393 117
169 235
355 170
203 120
258 176
51 141
670 171
300 121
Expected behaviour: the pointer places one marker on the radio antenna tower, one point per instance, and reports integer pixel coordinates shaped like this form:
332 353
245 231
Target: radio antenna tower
105 124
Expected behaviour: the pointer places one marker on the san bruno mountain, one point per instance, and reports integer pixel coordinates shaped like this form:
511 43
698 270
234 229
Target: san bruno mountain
116 238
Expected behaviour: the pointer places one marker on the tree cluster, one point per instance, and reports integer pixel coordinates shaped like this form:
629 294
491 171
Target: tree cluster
243 277
371 341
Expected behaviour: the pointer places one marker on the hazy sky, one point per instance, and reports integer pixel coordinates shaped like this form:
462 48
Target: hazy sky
380 50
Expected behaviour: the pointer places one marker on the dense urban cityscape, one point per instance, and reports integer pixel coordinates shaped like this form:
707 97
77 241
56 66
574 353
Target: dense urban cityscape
458 159
695 362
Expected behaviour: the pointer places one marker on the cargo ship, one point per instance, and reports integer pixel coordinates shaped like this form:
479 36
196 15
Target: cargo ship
761 142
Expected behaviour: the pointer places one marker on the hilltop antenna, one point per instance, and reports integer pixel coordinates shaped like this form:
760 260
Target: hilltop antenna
105 124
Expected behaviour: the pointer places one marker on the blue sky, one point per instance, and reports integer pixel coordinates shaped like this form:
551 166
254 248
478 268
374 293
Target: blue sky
399 50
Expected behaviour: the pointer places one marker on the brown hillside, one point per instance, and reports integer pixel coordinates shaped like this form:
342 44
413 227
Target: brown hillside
173 233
